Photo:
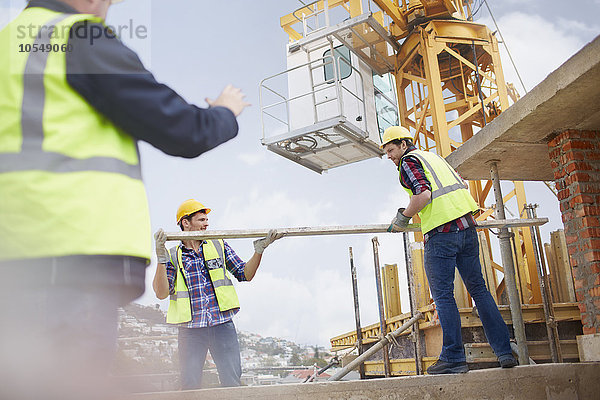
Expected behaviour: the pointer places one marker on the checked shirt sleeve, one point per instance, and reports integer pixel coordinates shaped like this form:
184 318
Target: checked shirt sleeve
412 175
234 264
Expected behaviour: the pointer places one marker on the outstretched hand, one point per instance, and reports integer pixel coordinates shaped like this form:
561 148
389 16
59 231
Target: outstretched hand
232 98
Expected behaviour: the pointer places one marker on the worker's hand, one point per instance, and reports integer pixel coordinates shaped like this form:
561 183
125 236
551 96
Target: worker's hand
160 238
399 222
232 98
261 244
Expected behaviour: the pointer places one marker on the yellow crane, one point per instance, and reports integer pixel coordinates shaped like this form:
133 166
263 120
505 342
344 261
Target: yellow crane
356 67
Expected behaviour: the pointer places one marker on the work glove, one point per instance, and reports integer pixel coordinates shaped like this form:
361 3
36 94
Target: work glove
160 238
400 222
261 244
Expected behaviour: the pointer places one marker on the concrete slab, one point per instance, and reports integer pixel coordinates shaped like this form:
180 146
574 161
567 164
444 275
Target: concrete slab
569 98
536 382
589 347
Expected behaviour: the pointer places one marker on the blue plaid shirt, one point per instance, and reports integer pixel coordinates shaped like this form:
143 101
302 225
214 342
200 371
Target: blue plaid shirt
205 309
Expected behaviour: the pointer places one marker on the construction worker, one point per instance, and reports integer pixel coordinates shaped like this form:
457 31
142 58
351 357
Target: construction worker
203 299
75 234
441 199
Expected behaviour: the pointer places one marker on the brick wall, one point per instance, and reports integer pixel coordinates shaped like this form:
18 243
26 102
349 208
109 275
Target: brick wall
575 158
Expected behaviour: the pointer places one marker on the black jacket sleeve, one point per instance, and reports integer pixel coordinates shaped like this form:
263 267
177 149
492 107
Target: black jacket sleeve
111 77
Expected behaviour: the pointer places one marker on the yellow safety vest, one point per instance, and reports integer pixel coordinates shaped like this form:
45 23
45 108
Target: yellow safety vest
450 198
70 180
214 260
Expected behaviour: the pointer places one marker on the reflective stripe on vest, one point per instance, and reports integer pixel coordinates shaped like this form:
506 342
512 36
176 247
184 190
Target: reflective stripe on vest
32 155
223 286
180 308
450 198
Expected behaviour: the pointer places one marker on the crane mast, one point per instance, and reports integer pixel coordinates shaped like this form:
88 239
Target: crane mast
448 82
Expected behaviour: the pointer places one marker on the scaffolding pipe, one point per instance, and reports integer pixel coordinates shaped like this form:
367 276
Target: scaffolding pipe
551 327
416 333
387 339
509 270
359 341
336 230
382 324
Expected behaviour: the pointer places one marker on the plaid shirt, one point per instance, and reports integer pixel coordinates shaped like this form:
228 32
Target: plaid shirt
412 176
205 309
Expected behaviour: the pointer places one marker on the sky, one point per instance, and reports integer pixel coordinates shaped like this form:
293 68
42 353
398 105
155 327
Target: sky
302 290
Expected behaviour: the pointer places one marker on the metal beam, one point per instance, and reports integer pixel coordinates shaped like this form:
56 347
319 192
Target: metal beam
335 230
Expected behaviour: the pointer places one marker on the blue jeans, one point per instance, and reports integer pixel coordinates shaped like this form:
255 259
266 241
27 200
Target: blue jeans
444 252
224 348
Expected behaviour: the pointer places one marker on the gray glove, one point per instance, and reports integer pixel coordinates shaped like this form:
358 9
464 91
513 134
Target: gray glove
400 222
160 238
261 244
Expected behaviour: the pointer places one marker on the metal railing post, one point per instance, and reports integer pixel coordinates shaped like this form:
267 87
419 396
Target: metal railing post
359 341
416 333
509 271
551 327
382 324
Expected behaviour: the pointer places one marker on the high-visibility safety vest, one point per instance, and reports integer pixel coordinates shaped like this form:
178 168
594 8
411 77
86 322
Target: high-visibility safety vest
450 198
70 180
214 260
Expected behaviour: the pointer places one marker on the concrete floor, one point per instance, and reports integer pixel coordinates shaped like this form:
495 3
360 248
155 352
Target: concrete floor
537 382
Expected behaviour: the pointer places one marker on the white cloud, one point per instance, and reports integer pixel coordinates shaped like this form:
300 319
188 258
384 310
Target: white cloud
538 46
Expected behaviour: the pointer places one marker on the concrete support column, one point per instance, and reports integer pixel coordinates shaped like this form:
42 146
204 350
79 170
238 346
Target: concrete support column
575 158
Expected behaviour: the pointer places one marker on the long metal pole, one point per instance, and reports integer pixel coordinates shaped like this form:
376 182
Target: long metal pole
359 341
334 230
382 324
509 271
416 333
375 348
551 328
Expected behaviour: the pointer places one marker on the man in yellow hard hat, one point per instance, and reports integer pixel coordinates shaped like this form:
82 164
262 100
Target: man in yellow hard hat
203 298
441 199
75 234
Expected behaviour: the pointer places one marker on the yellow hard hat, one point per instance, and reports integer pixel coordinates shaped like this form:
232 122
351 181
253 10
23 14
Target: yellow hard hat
189 207
394 132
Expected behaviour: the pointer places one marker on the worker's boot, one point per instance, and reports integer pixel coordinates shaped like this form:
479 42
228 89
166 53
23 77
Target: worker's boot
507 361
443 367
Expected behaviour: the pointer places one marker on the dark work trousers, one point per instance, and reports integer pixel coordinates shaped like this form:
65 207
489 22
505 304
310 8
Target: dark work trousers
224 348
59 327
445 252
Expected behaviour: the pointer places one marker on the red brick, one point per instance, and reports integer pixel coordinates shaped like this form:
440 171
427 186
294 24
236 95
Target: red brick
554 153
589 233
577 144
590 221
578 284
594 292
582 308
589 330
595 268
585 210
571 239
582 199
592 256
591 244
589 135
577 177
573 156
592 155
579 295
